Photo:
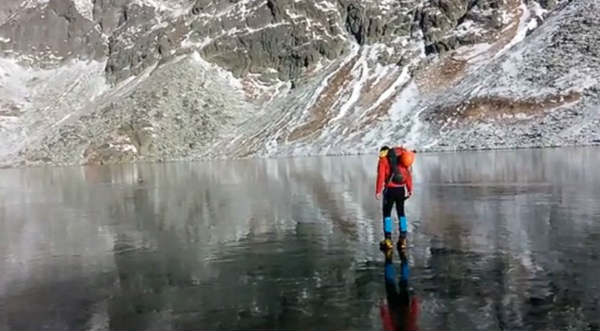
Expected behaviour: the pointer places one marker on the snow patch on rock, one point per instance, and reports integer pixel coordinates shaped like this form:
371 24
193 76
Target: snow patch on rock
34 3
85 8
43 98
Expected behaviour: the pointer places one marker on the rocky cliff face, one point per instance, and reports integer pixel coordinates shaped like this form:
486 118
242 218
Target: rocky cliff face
97 81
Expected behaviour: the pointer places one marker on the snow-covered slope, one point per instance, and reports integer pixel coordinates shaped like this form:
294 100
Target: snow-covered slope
102 81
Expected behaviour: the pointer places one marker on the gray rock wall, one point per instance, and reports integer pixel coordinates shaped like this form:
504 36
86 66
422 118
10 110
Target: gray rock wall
8 8
259 37
202 78
51 33
551 80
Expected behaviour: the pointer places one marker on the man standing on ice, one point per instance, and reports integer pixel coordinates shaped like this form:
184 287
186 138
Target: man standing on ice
394 185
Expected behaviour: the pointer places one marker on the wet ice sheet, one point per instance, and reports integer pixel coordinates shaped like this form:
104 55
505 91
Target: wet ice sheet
499 240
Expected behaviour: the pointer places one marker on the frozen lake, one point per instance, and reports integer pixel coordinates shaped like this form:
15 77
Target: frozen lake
498 240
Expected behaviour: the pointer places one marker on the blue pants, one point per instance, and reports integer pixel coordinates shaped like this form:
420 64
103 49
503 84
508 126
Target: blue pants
391 196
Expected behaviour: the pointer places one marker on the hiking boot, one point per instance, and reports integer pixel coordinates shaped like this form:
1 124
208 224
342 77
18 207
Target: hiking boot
386 245
402 244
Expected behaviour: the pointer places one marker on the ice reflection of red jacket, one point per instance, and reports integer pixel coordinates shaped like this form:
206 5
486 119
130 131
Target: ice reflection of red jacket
384 171
400 318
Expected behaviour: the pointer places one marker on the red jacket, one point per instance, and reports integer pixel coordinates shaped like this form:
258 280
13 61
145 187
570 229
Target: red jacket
384 171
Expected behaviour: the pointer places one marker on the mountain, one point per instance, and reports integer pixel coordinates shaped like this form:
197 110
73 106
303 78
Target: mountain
106 81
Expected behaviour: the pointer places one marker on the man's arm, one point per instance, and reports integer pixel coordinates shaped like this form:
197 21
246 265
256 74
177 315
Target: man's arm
381 175
409 182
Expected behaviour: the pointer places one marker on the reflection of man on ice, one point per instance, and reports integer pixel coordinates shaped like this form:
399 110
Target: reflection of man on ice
401 310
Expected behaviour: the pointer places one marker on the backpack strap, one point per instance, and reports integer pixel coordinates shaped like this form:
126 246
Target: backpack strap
396 176
393 160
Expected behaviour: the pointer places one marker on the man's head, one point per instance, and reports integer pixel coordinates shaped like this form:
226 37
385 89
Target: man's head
383 151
